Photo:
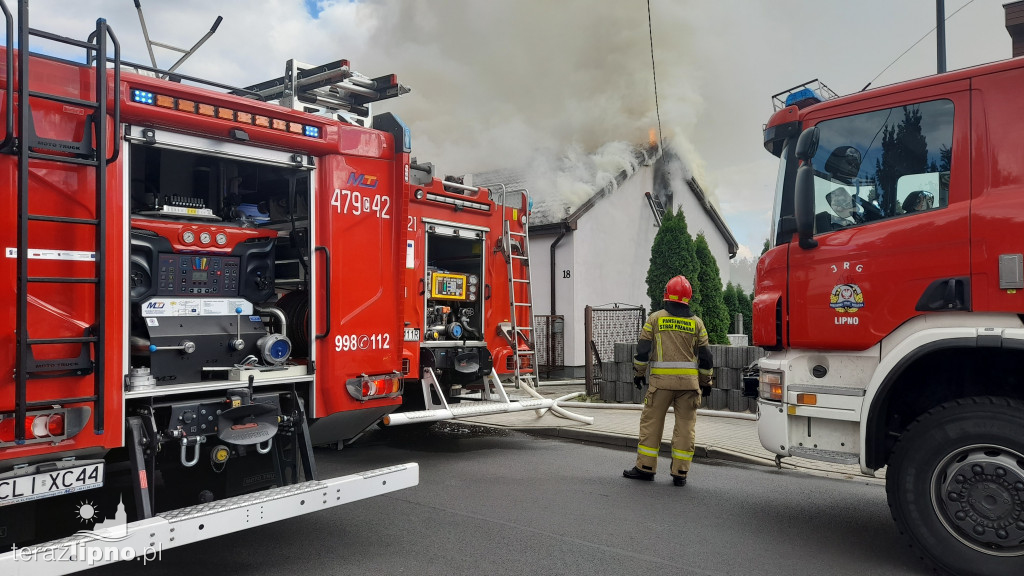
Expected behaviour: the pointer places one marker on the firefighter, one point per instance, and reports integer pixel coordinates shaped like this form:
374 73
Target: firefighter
681 368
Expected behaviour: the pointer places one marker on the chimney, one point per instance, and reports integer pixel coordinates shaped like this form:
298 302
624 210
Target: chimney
1015 25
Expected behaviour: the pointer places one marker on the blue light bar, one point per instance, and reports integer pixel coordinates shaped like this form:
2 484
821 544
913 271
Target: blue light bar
311 131
803 96
142 97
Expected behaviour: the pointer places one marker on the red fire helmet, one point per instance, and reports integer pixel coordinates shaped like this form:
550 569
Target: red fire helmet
679 290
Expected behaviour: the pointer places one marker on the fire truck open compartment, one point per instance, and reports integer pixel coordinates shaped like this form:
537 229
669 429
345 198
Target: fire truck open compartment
219 264
455 280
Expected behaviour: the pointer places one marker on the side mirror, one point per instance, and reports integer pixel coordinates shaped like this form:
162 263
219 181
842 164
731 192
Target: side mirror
803 198
807 144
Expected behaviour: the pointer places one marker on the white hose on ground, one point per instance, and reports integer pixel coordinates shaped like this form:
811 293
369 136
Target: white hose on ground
700 411
556 408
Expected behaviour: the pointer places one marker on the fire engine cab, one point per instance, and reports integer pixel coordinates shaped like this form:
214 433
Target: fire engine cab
892 298
200 286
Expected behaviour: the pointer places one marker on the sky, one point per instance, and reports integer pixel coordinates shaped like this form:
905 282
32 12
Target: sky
495 83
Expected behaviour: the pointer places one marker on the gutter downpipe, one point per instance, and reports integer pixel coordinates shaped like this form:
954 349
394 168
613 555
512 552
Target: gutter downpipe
564 227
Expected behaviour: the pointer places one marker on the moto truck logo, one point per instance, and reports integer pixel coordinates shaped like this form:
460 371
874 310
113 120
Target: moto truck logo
362 180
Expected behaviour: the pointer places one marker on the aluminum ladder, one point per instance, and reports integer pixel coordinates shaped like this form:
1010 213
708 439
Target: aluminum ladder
520 289
92 151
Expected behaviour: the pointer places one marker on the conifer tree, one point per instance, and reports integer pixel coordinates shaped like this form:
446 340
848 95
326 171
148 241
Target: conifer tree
731 304
671 255
709 283
746 307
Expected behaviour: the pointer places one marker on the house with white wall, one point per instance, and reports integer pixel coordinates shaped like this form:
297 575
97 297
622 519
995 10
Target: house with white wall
594 250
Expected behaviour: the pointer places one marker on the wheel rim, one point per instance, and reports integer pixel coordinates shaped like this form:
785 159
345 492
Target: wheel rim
978 494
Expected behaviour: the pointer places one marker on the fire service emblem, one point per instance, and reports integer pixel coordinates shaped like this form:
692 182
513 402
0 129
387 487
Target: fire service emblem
847 298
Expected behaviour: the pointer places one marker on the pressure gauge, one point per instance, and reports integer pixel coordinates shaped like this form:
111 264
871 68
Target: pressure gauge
188 236
204 238
222 239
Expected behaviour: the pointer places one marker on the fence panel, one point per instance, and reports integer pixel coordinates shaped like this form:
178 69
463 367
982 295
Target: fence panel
604 326
549 344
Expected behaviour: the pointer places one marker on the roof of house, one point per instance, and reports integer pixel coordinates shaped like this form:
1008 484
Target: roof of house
555 209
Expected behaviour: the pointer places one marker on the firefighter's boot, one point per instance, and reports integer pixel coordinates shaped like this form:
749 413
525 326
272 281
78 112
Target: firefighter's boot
638 474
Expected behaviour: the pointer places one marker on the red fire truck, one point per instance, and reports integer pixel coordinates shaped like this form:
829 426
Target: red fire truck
892 301
468 309
200 285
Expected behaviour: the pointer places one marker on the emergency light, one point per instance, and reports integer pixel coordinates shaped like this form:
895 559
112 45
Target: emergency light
142 97
188 106
803 97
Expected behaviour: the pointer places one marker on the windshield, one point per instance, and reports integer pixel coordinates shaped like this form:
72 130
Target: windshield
780 182
882 164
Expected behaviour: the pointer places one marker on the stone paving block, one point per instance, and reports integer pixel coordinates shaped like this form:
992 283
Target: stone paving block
624 351
728 379
718 354
623 391
638 394
753 353
718 399
609 371
625 371
737 402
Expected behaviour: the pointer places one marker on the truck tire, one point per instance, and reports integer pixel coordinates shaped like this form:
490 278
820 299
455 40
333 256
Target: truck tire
955 485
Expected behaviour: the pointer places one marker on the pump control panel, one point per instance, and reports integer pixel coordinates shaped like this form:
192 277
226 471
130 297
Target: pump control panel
181 274
447 286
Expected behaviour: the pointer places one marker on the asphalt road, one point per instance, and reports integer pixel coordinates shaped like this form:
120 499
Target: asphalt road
500 502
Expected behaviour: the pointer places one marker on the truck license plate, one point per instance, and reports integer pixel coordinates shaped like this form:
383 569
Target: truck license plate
412 334
47 484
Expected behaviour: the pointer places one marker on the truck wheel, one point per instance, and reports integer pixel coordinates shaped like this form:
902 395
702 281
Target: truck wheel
955 485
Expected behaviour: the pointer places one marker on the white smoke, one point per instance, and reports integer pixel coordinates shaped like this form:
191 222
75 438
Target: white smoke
495 83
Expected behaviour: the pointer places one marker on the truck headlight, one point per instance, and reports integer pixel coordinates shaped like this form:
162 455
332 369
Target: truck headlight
770 385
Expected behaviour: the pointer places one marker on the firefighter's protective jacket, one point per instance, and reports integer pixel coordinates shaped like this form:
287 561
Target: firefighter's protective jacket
675 341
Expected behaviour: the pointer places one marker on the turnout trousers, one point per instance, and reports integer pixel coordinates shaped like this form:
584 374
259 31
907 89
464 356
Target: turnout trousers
652 426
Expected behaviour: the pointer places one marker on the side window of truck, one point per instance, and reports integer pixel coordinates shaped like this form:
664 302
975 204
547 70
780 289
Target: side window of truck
882 164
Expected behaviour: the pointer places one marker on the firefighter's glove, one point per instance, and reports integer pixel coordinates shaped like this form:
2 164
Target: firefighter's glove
639 373
706 383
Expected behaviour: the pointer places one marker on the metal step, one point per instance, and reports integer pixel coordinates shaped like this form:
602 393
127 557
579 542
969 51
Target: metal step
63 219
195 523
823 455
62 280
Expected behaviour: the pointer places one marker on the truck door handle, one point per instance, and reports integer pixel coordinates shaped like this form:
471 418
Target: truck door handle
327 286
946 294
